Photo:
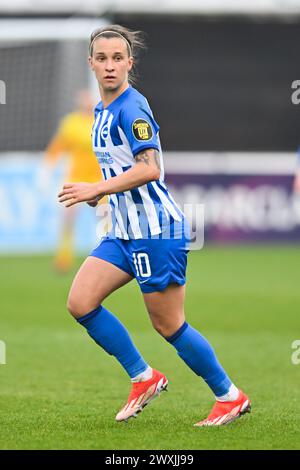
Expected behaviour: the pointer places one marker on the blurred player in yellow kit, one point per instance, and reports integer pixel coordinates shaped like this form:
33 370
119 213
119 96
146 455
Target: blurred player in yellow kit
73 140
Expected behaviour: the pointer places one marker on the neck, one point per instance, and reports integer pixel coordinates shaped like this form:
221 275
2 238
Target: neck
108 96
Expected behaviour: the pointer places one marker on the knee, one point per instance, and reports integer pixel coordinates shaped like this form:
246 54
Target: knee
73 306
166 329
78 307
161 330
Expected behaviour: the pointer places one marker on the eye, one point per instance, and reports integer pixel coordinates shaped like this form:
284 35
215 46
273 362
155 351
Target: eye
118 58
100 59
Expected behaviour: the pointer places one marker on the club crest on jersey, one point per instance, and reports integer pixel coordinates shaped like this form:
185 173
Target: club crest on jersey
142 130
104 132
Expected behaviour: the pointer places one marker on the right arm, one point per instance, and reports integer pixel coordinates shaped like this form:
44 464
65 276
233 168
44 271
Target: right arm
146 169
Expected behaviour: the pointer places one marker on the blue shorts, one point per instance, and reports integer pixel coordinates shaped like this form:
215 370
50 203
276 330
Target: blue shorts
155 263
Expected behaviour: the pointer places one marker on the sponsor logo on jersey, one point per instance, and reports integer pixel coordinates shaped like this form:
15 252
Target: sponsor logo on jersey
142 130
104 157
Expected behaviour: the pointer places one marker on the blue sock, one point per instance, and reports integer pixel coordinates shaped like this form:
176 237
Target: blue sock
198 354
113 337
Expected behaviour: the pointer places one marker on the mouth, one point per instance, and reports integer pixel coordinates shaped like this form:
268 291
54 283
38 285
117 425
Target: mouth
109 77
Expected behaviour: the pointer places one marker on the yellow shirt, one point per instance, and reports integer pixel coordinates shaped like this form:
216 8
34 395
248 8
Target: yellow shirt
73 139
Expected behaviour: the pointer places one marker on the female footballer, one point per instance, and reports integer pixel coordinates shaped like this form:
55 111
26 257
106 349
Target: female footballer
147 240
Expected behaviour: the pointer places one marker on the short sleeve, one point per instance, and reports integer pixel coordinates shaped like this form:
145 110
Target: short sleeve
139 126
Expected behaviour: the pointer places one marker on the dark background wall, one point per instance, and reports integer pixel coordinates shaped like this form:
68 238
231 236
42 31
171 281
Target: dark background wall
41 81
221 84
213 83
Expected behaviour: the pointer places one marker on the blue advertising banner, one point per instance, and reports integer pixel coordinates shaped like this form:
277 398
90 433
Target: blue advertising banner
30 215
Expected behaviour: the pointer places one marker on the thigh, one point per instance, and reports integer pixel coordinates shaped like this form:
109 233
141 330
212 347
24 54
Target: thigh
166 309
95 280
158 263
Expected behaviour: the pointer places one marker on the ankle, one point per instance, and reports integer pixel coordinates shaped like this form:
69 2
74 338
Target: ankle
231 395
143 376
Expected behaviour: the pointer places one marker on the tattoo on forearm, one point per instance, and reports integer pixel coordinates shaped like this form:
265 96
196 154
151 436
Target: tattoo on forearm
148 156
143 157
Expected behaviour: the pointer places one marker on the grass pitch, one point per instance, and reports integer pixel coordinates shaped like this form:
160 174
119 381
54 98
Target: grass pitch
59 390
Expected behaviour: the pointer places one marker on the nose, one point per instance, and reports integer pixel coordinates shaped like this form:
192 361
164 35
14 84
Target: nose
109 65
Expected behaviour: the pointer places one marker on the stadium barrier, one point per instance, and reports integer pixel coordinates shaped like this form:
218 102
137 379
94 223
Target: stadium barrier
246 198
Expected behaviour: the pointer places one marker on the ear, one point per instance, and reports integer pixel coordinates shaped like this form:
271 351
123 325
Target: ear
130 64
90 60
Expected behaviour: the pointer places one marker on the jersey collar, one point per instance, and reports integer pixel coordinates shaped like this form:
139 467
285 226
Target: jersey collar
118 100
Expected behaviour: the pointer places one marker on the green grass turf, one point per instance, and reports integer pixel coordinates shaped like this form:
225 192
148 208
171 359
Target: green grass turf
59 390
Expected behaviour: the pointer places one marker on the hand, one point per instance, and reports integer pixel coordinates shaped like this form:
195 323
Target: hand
73 193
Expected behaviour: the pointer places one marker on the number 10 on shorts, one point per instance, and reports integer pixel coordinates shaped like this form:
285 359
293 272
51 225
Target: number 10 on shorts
142 264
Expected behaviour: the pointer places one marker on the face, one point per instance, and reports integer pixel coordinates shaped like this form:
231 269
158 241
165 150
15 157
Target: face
111 63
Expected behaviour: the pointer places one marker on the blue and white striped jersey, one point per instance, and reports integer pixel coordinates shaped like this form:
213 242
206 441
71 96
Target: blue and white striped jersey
120 132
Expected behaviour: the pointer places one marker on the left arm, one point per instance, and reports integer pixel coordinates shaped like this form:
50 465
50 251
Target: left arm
146 169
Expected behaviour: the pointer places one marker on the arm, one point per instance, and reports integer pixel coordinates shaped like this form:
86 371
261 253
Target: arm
146 169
